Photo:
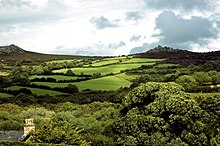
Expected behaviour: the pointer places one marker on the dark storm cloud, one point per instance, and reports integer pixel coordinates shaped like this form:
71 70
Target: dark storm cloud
134 15
174 30
102 23
186 5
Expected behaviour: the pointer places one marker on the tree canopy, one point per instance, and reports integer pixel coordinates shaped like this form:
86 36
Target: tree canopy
163 114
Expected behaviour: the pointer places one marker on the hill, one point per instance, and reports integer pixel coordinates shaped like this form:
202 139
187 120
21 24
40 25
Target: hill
183 57
12 53
11 49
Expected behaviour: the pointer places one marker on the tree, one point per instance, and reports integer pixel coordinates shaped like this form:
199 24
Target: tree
39 114
215 76
96 75
188 82
25 90
215 141
71 88
70 72
19 76
67 133
2 81
202 77
162 114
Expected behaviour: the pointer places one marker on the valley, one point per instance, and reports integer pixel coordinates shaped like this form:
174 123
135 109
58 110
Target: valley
101 96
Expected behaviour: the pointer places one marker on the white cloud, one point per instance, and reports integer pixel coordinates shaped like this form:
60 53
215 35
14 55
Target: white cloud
64 26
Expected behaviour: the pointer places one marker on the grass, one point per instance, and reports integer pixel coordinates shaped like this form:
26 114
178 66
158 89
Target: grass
116 68
112 60
126 76
61 61
2 73
138 60
5 95
117 58
105 62
51 84
105 83
37 91
57 77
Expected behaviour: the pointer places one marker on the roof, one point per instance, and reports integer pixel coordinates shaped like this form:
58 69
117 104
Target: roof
10 135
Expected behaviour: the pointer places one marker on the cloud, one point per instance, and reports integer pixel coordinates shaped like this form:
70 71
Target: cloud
143 48
189 34
14 4
25 13
187 5
85 52
102 23
111 46
134 15
96 49
107 27
135 38
117 45
175 30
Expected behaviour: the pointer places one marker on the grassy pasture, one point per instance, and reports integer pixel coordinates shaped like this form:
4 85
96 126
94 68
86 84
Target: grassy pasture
105 62
3 73
51 84
5 95
37 91
61 61
57 77
117 58
116 68
105 83
124 76
142 60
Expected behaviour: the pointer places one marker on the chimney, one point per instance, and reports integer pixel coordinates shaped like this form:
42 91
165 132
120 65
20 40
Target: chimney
29 126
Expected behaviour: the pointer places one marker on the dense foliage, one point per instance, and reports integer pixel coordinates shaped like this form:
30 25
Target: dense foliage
163 114
114 100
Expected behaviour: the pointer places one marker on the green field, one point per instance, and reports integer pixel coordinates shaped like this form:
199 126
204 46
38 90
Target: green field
2 73
57 77
117 58
37 91
5 95
124 60
51 84
61 61
141 60
105 62
105 83
116 68
126 76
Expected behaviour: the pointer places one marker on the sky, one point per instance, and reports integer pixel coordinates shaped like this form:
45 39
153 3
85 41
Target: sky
109 27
